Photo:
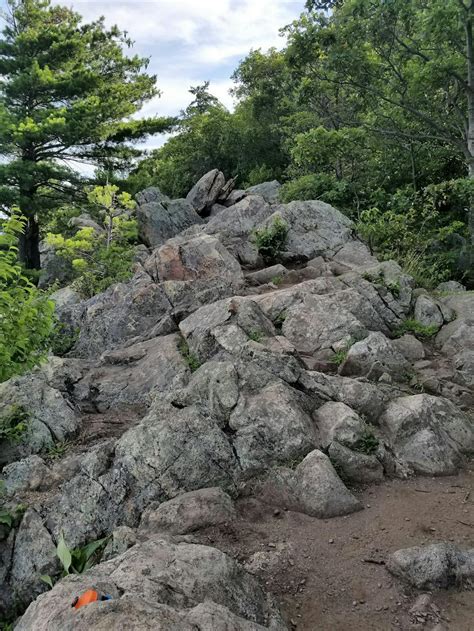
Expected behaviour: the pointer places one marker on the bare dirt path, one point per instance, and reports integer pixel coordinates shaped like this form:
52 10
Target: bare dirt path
327 573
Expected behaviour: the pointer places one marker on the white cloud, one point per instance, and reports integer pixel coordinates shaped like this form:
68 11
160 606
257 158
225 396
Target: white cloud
191 41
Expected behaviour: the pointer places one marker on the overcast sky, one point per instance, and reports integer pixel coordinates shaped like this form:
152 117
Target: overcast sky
191 41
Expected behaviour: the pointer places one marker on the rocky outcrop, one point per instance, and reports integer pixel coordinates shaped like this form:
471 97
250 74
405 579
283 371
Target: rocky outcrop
210 374
157 584
160 218
206 192
440 565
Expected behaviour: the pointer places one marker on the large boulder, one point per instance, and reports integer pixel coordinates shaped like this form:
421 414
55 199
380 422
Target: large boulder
133 375
47 416
124 312
189 512
374 356
337 422
54 268
313 488
236 224
439 565
199 257
205 193
317 323
315 229
159 585
161 220
428 433
271 427
174 450
428 313
270 191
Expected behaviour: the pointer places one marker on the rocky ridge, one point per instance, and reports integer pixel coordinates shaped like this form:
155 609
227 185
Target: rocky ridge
213 372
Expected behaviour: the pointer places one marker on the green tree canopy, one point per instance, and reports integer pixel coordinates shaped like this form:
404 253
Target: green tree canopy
67 92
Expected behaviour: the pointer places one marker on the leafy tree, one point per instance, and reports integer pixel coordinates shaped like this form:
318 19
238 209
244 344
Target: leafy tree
101 259
26 314
67 92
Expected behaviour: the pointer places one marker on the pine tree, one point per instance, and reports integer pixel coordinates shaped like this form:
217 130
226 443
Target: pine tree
67 94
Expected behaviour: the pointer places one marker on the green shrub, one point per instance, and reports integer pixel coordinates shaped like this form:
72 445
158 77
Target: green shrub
339 357
421 331
256 336
321 186
78 560
271 241
367 443
26 314
63 338
190 358
279 320
13 423
101 259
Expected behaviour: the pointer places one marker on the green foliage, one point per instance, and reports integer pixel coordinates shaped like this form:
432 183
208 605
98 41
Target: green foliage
68 93
78 560
279 320
13 423
421 331
277 280
58 450
339 357
256 336
26 314
11 517
100 260
367 443
62 338
190 358
270 241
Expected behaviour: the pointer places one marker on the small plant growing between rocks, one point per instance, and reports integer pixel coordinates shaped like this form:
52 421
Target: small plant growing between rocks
13 423
339 357
11 517
190 358
58 450
270 241
421 331
367 443
256 336
78 560
279 320
63 339
277 280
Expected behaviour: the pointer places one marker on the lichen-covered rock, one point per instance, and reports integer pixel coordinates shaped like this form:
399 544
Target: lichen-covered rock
428 313
338 422
189 512
373 356
411 348
133 375
159 585
271 427
47 416
428 433
164 219
29 474
270 191
439 565
34 555
121 313
205 192
313 488
354 466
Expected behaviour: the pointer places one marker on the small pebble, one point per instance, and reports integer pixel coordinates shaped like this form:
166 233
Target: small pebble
354 603
331 540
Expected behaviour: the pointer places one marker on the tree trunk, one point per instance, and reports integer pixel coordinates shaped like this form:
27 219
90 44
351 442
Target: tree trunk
28 250
470 105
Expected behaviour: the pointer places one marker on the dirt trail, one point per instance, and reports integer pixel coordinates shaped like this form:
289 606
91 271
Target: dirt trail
326 573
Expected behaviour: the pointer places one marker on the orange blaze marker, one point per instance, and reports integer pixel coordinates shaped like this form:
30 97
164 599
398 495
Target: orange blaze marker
88 597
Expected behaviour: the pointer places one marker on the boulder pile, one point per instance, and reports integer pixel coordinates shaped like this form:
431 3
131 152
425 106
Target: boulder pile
211 372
